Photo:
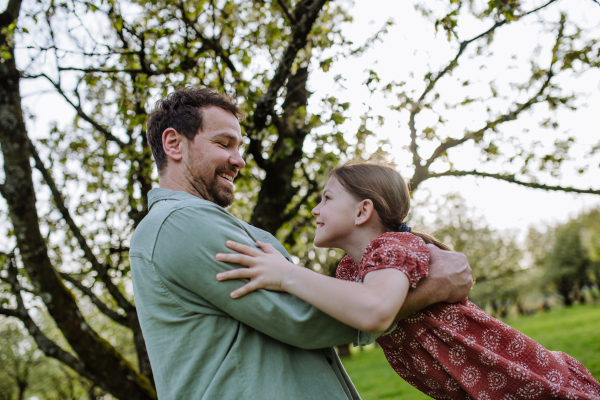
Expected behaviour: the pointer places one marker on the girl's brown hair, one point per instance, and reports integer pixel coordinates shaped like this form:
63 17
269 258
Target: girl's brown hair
386 188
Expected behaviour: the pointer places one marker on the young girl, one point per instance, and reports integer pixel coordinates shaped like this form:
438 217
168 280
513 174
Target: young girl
448 351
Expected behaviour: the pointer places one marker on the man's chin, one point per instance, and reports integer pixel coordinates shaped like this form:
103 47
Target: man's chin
224 198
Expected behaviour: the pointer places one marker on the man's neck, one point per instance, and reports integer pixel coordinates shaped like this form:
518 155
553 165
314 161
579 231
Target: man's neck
166 181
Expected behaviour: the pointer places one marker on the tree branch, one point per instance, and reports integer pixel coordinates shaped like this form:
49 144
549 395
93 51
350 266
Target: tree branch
286 12
114 70
416 105
11 13
87 251
255 148
309 11
512 179
210 43
511 116
84 116
120 319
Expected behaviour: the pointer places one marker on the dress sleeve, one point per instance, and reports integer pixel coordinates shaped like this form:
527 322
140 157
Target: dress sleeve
402 251
347 270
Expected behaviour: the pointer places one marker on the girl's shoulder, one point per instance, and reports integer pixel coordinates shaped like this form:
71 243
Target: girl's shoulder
399 250
347 270
399 239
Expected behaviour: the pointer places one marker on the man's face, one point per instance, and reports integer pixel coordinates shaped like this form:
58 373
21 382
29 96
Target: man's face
212 159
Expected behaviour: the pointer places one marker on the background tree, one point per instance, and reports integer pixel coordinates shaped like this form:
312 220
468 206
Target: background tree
569 262
496 257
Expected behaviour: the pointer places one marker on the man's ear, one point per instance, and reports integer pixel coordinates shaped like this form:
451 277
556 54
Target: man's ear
172 142
364 212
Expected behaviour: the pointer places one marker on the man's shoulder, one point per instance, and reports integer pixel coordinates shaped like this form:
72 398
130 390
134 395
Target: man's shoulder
181 216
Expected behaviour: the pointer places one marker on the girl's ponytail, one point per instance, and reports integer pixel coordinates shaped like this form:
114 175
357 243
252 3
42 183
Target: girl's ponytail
431 240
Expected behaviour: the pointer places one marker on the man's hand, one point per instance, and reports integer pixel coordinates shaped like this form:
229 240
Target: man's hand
450 273
449 280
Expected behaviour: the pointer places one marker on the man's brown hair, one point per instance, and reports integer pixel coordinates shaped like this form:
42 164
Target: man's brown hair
182 111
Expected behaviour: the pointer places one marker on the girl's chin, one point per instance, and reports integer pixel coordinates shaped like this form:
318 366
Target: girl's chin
319 243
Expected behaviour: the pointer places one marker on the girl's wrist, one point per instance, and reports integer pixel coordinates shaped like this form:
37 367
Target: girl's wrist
290 277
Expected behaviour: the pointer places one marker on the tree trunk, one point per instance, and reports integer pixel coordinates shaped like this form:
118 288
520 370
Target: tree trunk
277 188
101 359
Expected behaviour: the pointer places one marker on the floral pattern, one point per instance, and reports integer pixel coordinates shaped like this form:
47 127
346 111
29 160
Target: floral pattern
455 351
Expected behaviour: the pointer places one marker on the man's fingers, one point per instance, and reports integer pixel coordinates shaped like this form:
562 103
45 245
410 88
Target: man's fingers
242 248
244 290
235 258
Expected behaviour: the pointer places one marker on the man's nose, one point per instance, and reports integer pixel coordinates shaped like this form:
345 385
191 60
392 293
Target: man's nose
237 160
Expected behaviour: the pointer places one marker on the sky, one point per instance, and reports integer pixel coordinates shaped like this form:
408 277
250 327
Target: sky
412 46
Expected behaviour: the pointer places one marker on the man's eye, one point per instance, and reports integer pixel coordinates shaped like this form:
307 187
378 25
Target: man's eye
224 145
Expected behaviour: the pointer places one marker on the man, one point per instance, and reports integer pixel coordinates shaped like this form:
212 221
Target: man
203 344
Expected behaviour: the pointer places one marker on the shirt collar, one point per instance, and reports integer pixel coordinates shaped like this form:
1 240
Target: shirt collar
158 194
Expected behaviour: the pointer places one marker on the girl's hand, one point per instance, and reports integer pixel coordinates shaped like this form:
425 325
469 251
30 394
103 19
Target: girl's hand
266 269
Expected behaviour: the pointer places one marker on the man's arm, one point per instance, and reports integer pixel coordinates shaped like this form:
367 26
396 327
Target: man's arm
449 280
185 254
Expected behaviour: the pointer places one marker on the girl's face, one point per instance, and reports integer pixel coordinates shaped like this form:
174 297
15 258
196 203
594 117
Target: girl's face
335 215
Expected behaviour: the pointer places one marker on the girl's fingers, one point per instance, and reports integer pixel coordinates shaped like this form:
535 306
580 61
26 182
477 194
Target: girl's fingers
235 258
242 248
267 247
238 273
244 290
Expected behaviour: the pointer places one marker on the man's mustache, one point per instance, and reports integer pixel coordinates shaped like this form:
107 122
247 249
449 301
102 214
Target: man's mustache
227 168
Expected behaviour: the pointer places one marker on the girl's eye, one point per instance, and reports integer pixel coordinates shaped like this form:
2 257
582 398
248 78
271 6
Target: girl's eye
327 198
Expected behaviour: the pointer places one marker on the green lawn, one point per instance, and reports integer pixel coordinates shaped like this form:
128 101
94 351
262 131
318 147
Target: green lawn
574 330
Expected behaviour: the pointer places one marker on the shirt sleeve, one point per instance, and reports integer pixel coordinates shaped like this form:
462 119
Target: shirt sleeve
402 251
185 254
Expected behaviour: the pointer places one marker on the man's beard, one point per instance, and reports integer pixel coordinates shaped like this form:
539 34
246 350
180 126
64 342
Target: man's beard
214 191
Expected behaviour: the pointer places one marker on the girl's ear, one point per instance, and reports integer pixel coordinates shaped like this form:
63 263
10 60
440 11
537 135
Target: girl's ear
364 212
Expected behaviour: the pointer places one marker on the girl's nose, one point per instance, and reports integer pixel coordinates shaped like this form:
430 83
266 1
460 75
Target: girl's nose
315 211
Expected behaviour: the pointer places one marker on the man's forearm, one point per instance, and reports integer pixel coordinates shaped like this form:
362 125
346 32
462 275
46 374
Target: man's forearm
449 280
416 300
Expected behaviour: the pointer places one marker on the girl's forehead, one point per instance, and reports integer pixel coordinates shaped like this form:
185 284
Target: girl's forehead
333 185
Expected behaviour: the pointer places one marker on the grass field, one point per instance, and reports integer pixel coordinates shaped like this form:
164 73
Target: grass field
574 330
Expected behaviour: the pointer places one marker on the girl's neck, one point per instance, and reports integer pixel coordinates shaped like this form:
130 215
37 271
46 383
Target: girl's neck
359 241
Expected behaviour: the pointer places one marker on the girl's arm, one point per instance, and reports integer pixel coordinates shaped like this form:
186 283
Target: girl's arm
370 307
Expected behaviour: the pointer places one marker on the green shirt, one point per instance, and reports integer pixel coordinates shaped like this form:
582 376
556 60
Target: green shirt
203 344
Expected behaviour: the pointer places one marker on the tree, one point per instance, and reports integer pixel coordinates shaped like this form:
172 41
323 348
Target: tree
569 261
428 105
496 257
72 216
74 250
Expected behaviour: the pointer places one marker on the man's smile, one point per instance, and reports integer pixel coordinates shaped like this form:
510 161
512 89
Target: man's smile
228 176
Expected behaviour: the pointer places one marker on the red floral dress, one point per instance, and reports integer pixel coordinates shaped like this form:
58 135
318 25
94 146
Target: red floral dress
452 351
